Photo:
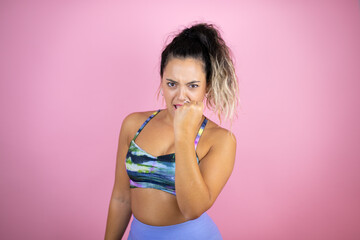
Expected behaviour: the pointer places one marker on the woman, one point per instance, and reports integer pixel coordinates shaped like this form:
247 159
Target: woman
169 202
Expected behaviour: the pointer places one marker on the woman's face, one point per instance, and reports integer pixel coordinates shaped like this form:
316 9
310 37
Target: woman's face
184 79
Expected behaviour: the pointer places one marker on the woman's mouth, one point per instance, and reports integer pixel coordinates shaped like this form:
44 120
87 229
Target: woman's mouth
176 106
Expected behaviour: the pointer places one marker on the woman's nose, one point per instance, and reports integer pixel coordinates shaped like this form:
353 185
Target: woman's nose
182 94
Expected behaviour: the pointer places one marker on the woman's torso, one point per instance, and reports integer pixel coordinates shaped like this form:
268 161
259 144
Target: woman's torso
152 206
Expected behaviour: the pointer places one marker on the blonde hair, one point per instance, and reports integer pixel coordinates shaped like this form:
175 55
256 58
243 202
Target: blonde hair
203 41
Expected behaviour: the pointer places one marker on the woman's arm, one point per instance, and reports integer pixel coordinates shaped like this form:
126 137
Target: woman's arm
120 209
197 186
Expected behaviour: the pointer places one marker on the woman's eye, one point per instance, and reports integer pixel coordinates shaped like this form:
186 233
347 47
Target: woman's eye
171 84
193 85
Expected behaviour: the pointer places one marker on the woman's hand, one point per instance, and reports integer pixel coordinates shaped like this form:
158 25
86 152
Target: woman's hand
187 120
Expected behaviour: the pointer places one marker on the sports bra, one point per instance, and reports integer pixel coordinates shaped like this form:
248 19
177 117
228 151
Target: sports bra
147 171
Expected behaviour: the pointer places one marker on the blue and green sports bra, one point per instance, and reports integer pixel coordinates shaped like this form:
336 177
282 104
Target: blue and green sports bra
147 171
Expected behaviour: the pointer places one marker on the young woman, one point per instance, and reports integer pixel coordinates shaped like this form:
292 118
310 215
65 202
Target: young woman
169 202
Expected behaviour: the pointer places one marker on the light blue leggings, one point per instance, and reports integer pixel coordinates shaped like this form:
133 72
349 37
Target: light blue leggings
201 228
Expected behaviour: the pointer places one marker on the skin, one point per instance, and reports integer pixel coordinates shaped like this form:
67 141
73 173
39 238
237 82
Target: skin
173 130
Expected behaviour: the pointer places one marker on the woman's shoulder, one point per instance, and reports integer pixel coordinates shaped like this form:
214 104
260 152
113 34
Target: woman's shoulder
134 117
218 135
133 121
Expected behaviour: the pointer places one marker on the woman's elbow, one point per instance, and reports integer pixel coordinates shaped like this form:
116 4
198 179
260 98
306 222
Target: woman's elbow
195 212
191 215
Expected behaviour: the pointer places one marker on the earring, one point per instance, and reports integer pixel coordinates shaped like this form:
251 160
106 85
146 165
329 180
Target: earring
161 92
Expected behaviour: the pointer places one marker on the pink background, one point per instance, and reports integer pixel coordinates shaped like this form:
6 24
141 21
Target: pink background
72 70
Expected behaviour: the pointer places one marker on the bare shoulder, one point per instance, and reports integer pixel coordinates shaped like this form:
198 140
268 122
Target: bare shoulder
133 121
219 138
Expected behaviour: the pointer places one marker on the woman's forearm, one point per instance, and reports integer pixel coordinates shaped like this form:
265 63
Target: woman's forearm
118 218
192 194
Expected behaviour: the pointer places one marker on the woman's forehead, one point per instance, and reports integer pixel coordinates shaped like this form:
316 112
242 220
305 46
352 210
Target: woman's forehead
185 69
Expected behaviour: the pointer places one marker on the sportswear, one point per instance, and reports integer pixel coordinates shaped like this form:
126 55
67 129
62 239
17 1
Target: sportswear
148 171
200 228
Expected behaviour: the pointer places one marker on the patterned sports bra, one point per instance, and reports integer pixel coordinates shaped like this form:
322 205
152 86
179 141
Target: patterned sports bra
147 171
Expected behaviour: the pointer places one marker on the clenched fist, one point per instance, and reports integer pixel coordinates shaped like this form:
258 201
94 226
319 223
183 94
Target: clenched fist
187 119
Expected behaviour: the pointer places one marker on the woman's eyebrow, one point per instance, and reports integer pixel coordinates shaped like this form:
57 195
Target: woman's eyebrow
187 83
171 80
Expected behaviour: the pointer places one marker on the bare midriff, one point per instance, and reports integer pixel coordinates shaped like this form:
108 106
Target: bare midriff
155 207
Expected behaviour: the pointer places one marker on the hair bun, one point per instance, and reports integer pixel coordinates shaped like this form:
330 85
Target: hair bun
205 33
186 32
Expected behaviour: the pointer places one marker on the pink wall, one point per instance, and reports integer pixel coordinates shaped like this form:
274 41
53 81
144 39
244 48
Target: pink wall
70 71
